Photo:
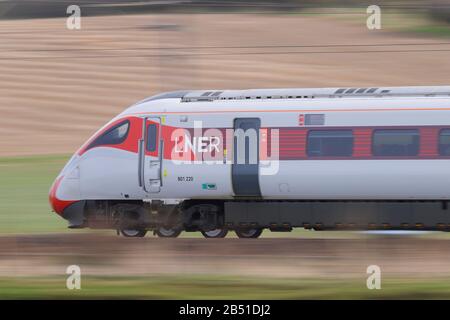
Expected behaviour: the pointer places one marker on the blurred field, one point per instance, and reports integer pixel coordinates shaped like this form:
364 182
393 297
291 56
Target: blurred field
24 187
220 287
413 22
113 267
58 86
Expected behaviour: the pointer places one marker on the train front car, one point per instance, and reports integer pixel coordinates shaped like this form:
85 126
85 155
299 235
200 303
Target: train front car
70 192
249 160
103 159
102 184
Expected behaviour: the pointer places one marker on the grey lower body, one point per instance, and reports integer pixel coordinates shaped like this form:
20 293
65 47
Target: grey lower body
275 215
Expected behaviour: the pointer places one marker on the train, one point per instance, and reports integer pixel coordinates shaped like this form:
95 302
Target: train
251 160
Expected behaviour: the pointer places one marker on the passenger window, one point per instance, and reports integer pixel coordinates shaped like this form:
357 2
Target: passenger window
151 137
444 142
395 142
115 135
330 143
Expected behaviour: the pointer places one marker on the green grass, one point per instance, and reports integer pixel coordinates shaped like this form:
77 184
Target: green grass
220 287
24 186
436 30
398 21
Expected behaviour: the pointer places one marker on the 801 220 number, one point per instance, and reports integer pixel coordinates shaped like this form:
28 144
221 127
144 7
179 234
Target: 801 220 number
185 179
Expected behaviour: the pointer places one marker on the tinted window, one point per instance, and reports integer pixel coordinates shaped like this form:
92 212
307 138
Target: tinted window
329 143
314 119
444 142
396 142
151 137
115 135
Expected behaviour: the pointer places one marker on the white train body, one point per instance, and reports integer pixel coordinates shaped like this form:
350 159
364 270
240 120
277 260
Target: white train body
357 144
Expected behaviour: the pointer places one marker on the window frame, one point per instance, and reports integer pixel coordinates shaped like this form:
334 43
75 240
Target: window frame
95 143
307 145
416 130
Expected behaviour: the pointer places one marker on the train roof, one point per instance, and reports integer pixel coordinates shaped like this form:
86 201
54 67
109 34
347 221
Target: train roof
196 100
302 93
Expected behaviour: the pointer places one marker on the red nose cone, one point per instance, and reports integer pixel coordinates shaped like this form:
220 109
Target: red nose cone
57 205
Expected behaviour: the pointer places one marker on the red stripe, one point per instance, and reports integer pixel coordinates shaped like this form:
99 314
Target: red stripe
292 141
58 205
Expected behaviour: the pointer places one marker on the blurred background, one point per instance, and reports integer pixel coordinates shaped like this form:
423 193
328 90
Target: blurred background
58 86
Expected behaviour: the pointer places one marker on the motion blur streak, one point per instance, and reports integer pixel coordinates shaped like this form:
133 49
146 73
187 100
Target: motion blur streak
338 256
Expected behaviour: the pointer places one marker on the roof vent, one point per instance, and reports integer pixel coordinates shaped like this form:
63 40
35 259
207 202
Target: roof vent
311 93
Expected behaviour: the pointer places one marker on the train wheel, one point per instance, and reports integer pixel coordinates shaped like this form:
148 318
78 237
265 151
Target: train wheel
133 233
216 233
249 233
167 232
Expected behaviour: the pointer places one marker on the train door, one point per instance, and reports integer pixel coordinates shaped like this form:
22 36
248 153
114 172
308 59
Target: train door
245 167
151 149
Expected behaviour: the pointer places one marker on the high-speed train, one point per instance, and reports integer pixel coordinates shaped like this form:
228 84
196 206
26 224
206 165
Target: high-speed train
249 160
